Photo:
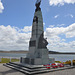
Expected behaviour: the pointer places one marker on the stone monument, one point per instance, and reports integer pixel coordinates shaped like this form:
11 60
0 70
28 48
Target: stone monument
38 52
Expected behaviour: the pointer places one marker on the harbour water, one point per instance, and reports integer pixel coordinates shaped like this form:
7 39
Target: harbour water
58 57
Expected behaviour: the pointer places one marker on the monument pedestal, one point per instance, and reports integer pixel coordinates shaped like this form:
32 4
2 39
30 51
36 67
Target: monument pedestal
40 57
37 61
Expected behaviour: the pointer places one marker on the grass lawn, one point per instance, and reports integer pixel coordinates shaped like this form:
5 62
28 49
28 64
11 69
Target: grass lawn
7 60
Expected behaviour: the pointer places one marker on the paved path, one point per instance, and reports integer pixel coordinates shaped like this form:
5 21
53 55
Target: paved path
62 72
8 71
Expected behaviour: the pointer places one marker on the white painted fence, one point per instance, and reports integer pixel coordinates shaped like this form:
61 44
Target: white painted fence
9 58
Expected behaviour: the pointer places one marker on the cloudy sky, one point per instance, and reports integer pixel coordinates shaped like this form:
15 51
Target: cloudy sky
16 18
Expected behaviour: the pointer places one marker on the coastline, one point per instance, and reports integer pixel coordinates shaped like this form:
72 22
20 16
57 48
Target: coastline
50 52
13 51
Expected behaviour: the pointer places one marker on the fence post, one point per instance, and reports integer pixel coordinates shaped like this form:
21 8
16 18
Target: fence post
71 63
10 59
0 59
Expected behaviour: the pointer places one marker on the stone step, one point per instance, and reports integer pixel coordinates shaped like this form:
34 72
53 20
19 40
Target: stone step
24 70
20 70
29 66
28 70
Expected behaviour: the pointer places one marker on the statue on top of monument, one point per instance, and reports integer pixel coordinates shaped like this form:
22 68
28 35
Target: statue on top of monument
38 2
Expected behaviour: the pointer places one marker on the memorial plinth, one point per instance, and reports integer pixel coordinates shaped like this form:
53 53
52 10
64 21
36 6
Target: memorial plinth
38 52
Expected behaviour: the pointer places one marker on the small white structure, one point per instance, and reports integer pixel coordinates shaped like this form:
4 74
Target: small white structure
0 59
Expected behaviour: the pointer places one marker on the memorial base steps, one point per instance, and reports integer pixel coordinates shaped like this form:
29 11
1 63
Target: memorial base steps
33 69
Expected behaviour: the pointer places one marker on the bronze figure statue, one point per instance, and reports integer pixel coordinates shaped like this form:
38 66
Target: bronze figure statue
38 2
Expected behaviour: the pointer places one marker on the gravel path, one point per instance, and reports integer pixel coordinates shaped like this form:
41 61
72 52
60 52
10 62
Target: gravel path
8 71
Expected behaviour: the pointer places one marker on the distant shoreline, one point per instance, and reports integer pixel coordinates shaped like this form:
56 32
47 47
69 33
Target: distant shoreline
50 52
13 51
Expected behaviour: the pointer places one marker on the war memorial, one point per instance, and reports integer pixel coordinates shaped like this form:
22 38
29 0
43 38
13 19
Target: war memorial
38 52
